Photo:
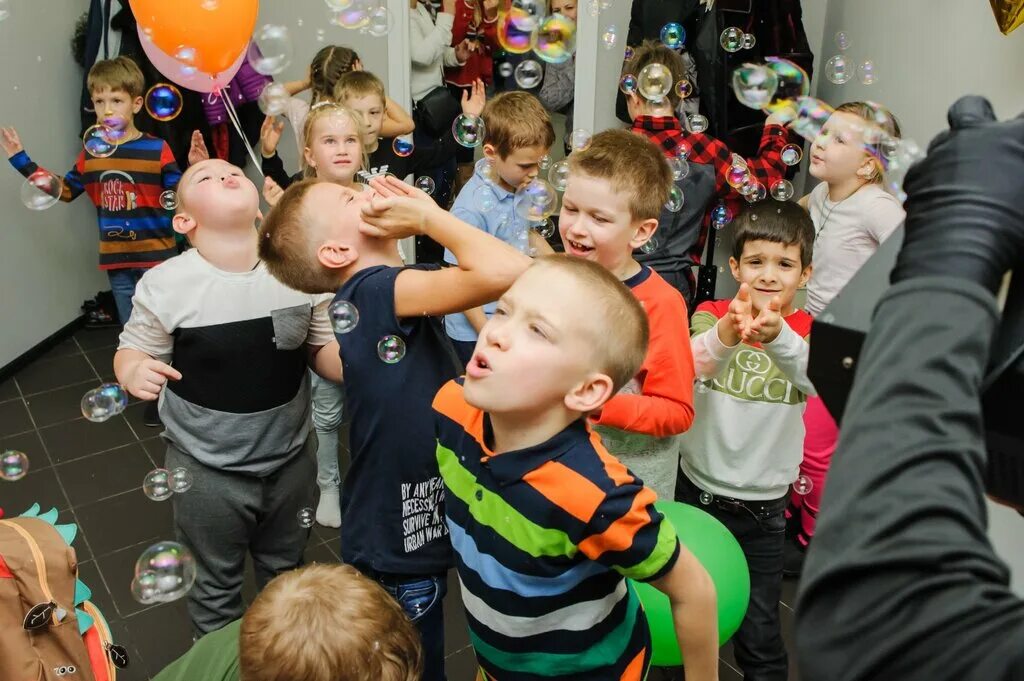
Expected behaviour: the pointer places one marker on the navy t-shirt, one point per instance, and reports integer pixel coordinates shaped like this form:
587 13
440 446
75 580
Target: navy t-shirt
393 498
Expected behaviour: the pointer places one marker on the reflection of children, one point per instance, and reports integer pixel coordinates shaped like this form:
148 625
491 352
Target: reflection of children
135 230
558 89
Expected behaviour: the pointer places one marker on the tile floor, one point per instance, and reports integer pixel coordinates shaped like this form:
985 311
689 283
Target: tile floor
92 473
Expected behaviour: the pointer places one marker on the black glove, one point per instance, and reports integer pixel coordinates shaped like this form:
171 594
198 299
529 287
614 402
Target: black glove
965 201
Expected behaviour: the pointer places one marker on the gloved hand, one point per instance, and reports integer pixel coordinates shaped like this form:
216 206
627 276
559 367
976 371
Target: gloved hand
965 201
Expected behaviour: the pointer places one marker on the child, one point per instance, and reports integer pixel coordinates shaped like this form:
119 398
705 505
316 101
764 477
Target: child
517 135
852 215
545 523
558 89
320 237
135 230
682 234
317 623
236 409
616 190
744 449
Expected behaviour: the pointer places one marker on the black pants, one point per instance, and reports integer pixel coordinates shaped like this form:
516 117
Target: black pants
760 528
464 350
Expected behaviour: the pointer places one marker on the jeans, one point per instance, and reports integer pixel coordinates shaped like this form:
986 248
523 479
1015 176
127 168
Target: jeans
122 285
328 401
422 599
760 528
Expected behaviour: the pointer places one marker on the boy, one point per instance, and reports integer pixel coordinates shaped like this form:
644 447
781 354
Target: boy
616 190
236 409
517 135
545 523
683 233
135 231
323 237
317 623
743 452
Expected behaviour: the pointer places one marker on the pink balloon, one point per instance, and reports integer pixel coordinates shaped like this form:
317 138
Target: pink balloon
177 72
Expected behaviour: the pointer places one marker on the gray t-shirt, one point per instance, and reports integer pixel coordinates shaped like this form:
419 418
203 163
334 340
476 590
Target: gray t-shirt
848 233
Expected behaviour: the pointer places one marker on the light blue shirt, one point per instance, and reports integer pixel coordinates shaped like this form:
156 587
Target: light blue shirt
500 221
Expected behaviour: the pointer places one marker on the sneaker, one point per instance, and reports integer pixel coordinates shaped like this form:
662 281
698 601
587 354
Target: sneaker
151 415
328 511
793 559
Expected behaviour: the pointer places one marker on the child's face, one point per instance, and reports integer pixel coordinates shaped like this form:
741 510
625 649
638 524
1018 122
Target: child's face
771 270
567 8
838 153
335 149
371 108
535 349
216 193
518 168
115 108
596 223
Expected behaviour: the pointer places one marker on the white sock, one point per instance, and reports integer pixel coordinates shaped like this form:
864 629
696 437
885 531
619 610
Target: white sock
328 511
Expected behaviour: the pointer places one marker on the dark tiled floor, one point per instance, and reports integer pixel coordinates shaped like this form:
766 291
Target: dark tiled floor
92 473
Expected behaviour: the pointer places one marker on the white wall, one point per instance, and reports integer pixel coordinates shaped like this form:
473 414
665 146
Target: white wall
47 259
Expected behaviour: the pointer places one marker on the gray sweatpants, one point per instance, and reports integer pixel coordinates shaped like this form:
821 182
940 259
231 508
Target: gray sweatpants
226 514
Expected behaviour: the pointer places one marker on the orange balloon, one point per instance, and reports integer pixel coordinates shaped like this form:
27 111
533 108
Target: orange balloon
218 31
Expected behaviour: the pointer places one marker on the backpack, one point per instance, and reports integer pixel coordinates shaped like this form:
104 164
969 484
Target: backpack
51 631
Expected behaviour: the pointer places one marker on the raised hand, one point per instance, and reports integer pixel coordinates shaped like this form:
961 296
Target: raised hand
768 324
197 151
396 210
474 103
149 377
463 50
270 135
271 192
389 185
10 141
740 316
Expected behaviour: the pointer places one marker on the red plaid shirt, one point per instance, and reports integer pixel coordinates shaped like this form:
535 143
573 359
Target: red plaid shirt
767 167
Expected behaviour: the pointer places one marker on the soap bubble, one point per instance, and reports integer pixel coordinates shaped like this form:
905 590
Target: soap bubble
104 402
337 5
749 40
41 189
13 465
705 497
512 38
782 190
163 102
273 100
529 74
403 146
684 88
536 201
720 216
380 22
484 199
803 485
654 82
683 150
144 587
680 168
792 154
610 36
544 163
556 39
650 246
732 39
579 139
181 480
157 484
528 13
320 35
559 175
505 69
673 35
627 84
843 40
811 115
545 228
270 51
594 7
629 53
343 315
306 517
754 85
425 184
837 70
757 193
737 175
675 200
866 72
100 141
391 349
468 130
169 200
697 123
355 16
173 567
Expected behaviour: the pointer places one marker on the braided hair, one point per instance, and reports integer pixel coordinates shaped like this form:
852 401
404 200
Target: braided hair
329 64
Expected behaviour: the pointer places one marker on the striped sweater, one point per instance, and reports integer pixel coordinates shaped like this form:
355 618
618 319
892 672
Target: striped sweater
544 538
135 231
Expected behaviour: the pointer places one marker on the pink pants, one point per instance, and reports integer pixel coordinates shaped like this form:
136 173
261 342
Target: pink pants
819 443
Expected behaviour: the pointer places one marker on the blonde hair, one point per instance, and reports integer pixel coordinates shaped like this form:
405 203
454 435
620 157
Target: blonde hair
621 331
328 65
323 110
358 84
883 129
327 623
287 248
121 73
632 164
515 120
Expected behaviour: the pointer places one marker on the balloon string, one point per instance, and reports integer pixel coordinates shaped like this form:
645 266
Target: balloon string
233 115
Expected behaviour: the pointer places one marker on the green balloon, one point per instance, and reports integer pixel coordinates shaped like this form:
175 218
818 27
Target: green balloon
720 554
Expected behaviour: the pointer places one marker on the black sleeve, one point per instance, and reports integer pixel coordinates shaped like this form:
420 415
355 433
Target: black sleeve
426 157
635 35
273 167
901 581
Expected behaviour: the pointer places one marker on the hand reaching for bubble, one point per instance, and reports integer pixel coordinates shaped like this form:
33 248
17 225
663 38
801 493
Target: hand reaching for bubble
10 141
462 51
735 326
473 104
396 210
271 192
149 377
270 135
767 326
197 151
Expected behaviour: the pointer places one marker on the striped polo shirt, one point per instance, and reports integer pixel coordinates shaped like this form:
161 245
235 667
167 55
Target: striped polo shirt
544 538
135 231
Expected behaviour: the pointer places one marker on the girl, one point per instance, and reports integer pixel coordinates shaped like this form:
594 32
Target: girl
333 152
852 215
